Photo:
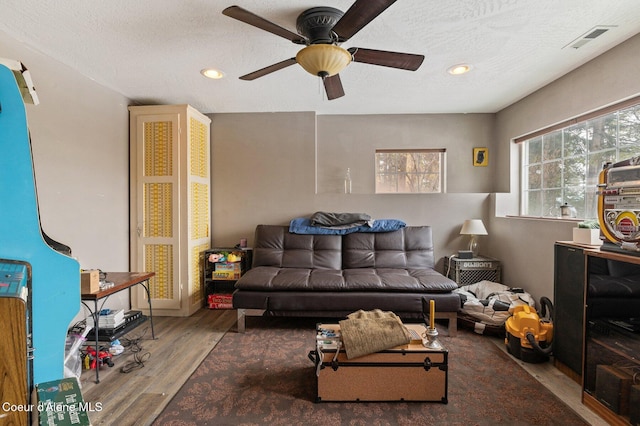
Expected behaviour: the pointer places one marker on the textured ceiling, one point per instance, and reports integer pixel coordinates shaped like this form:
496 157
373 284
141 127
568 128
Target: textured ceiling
152 51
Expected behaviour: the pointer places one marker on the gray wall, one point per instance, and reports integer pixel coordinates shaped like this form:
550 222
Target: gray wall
272 167
351 141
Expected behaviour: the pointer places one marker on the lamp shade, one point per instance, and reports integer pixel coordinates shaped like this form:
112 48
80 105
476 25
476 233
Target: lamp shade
323 60
473 227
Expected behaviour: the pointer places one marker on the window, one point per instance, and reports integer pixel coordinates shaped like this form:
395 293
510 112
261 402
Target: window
562 164
409 171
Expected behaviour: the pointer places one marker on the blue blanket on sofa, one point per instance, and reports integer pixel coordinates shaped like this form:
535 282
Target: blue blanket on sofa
303 225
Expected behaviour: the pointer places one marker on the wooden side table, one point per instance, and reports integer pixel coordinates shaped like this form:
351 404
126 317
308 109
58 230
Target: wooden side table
121 281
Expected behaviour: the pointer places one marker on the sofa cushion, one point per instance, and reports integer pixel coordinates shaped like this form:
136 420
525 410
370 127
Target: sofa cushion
269 278
409 247
275 246
340 304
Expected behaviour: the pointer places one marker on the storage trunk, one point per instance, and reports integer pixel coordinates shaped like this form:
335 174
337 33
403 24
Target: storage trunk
405 373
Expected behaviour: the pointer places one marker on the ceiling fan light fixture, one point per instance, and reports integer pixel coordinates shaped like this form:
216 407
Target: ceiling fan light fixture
459 69
212 73
323 60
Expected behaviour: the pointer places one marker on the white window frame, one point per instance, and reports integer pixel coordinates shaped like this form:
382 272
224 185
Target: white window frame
611 153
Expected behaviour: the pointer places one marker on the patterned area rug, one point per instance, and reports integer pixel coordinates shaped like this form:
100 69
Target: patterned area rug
265 377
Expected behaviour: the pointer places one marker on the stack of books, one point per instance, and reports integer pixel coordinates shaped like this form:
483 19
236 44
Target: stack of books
108 319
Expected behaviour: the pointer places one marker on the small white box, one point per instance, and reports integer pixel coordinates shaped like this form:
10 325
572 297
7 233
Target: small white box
587 236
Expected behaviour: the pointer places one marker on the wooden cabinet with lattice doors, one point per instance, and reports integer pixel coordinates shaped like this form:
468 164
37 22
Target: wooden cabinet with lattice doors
170 205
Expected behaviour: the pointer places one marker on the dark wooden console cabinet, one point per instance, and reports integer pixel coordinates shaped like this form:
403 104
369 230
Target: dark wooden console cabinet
595 339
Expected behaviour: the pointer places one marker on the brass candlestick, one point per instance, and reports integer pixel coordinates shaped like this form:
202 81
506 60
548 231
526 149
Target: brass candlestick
432 334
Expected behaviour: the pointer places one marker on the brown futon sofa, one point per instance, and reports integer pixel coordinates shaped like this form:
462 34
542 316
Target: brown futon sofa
331 276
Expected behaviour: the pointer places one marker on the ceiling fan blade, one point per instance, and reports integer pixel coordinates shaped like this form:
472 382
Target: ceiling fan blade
404 61
333 87
268 70
247 17
359 14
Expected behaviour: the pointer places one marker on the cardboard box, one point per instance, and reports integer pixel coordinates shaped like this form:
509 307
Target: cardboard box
220 306
587 236
220 297
90 281
227 271
226 267
220 301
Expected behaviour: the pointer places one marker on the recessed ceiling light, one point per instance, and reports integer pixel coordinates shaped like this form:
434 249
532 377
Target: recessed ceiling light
212 73
459 69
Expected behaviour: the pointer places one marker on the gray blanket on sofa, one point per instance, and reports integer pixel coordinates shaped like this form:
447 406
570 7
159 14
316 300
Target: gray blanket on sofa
340 220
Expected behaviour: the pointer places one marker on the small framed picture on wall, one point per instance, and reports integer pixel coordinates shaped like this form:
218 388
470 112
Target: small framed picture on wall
481 157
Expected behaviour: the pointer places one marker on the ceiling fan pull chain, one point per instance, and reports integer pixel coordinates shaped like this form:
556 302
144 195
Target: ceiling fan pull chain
335 38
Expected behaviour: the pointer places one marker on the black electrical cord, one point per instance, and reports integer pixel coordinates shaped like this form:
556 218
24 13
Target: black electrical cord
139 355
139 358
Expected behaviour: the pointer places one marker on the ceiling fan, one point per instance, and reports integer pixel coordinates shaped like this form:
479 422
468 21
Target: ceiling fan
322 30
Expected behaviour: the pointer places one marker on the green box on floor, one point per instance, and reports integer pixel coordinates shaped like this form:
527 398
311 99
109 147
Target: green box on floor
60 403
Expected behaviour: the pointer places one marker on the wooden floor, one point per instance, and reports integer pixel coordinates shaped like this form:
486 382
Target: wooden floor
560 385
136 398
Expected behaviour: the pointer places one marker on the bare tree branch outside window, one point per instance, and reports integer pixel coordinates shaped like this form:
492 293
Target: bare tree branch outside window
409 171
562 166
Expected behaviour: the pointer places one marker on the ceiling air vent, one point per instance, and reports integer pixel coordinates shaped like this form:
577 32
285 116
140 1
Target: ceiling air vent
589 36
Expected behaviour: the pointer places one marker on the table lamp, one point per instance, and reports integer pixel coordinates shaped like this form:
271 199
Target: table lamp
473 227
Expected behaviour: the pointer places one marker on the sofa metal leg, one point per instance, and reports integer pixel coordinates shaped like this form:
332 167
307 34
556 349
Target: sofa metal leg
243 313
241 321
